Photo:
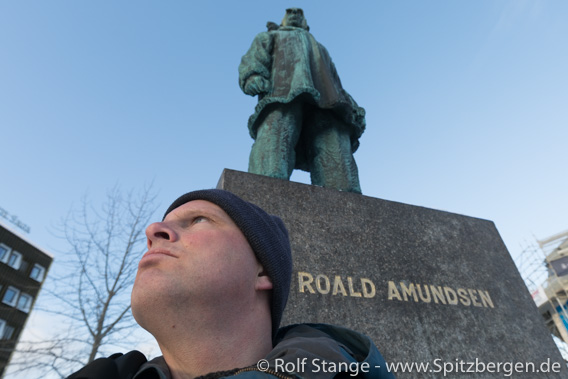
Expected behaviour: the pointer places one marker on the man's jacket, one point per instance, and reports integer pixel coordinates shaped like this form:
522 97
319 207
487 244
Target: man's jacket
318 351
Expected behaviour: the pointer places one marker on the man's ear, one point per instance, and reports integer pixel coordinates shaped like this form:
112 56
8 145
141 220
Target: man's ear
263 281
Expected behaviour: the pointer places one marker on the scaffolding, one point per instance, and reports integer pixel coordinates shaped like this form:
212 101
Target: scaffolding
544 269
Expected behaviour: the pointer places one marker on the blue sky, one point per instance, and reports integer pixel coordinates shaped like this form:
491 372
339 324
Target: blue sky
467 102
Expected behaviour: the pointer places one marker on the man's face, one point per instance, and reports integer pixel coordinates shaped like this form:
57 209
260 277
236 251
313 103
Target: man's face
197 255
294 17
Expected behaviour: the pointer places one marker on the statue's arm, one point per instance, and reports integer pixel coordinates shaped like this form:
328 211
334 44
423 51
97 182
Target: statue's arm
256 65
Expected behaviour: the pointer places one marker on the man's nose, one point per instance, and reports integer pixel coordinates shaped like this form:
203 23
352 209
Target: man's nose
159 231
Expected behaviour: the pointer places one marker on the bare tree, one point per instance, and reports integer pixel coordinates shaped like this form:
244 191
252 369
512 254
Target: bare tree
90 289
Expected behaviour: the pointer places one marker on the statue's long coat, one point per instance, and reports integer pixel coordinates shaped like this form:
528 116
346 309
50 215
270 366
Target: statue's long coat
296 65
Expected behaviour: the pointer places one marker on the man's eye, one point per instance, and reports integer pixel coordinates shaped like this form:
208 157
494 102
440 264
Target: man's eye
199 219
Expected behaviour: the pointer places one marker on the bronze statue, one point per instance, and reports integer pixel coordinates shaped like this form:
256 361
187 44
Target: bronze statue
304 118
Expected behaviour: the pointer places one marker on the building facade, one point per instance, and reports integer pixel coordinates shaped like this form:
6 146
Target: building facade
23 268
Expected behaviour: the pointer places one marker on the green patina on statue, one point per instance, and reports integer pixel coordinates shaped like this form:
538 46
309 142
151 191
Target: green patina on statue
304 118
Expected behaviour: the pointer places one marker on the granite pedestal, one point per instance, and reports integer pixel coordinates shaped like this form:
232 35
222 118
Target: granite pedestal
426 285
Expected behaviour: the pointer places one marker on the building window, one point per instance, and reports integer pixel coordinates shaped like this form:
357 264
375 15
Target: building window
37 272
8 332
4 253
11 296
25 302
2 326
15 260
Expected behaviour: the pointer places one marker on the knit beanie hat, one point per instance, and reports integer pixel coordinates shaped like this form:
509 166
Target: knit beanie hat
266 235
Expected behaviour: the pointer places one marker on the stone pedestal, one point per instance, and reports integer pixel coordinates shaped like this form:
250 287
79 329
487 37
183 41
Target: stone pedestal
428 286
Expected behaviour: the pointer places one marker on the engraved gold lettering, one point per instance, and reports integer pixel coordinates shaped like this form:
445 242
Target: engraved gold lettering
368 293
453 299
351 290
473 295
338 286
485 298
393 291
427 298
304 281
438 294
401 291
408 291
463 297
324 290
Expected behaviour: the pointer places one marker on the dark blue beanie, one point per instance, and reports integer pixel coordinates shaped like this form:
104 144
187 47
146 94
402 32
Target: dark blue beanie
266 235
